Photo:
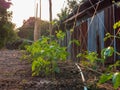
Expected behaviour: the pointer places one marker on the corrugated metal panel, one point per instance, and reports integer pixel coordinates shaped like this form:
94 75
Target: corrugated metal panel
96 32
83 36
109 21
87 7
68 43
75 48
117 18
80 34
91 36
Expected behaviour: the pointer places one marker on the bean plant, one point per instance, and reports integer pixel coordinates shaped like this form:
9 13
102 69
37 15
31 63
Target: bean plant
112 73
91 59
45 54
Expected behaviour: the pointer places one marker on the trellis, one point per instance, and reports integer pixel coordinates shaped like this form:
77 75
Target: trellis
82 34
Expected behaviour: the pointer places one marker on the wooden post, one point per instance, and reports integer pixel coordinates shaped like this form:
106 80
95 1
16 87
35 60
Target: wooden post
36 30
40 20
50 16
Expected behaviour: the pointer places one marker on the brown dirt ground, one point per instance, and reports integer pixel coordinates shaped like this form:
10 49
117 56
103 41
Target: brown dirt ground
16 75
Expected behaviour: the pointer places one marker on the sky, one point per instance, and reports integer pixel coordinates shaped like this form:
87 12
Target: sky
23 9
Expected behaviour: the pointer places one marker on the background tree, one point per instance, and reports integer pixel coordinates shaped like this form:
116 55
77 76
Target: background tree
70 7
27 29
7 33
64 13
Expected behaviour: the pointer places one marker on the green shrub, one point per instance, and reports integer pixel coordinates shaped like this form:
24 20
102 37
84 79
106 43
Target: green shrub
111 73
45 54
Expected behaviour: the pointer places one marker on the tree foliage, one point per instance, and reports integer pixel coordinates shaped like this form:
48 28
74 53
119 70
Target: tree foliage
27 29
5 4
72 5
65 11
7 34
63 14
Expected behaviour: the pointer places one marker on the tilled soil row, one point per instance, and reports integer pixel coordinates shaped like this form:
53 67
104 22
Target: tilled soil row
15 74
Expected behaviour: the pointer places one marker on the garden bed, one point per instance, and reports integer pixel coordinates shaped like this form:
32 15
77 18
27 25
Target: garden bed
16 75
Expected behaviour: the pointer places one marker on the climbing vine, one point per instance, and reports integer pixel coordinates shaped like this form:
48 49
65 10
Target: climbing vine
91 59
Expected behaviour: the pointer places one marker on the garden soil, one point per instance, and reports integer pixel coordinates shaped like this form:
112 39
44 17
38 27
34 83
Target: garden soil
15 74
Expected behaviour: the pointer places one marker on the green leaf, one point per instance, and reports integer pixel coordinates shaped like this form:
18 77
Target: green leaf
102 53
71 30
79 55
116 80
74 41
107 52
107 36
57 69
53 22
60 34
91 56
35 71
105 77
34 65
34 74
116 25
117 63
